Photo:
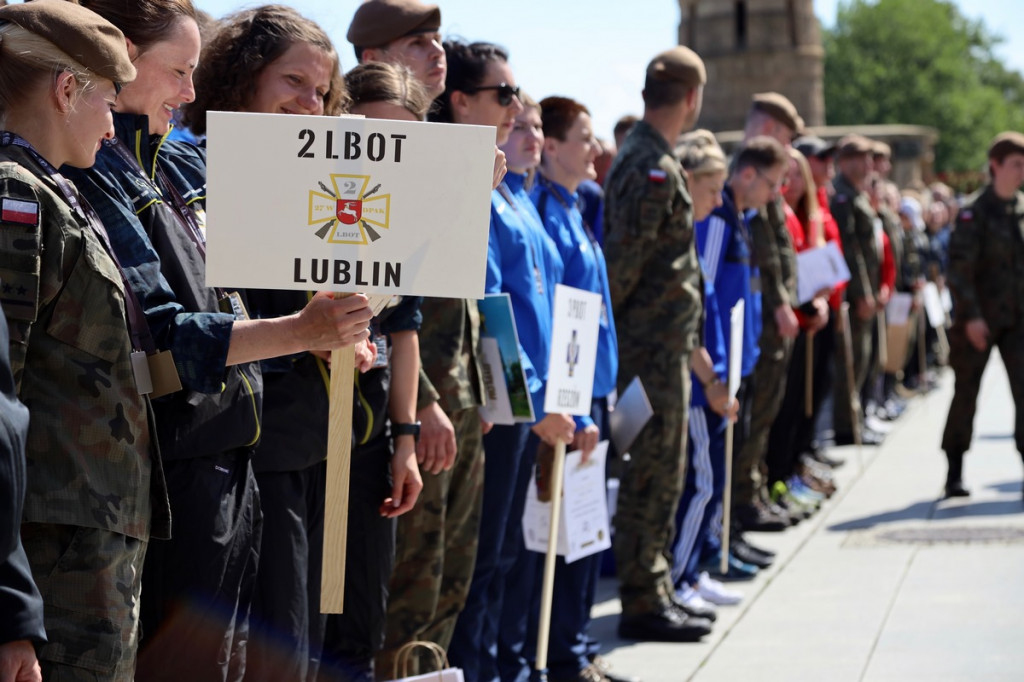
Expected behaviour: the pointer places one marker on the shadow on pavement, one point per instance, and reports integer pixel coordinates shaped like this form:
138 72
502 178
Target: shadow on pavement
921 511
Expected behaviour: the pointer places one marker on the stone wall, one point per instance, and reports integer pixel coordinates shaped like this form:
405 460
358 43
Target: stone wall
753 46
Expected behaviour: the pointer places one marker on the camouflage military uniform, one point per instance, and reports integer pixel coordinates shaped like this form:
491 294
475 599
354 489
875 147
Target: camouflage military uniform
853 214
88 501
776 260
986 276
436 541
656 290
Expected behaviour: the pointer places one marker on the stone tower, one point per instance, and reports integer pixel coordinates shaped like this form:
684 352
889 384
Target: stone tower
753 46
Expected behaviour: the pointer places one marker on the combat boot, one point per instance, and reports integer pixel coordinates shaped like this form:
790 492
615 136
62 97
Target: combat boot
954 481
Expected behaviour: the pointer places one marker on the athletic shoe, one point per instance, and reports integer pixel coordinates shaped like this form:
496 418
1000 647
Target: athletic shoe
693 601
737 570
801 490
711 590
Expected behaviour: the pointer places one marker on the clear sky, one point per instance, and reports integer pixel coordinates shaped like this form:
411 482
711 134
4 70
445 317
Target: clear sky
593 50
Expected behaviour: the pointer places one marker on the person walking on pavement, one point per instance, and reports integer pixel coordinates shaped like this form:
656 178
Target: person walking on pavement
986 277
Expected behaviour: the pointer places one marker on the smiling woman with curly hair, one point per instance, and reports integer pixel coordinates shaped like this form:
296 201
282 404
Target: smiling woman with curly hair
258 61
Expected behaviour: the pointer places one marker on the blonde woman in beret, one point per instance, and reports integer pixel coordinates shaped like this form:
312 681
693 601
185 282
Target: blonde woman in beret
89 510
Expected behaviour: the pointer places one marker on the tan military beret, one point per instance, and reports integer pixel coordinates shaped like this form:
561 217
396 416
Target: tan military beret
1006 143
680 64
780 108
82 34
854 145
880 148
378 22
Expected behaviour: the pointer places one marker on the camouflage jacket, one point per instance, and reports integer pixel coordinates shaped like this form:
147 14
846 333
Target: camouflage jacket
653 272
852 211
450 355
776 258
89 445
986 260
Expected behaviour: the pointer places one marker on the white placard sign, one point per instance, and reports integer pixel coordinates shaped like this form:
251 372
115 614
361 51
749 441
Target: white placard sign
577 315
933 305
583 522
735 347
897 311
820 268
347 204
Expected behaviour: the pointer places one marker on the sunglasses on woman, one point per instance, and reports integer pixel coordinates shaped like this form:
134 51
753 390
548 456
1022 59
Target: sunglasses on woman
505 92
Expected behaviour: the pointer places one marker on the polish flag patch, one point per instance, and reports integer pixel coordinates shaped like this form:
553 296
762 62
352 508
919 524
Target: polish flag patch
19 211
657 176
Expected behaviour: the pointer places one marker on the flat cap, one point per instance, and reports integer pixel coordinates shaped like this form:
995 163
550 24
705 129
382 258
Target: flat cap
854 145
680 64
811 145
780 108
82 34
1006 143
377 22
881 149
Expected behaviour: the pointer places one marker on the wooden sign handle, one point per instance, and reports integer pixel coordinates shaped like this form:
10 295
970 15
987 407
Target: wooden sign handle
723 562
339 456
548 586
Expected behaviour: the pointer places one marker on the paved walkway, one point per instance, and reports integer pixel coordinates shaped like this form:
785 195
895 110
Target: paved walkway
888 582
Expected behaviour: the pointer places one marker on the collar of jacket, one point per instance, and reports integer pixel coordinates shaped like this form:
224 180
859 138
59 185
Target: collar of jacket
133 131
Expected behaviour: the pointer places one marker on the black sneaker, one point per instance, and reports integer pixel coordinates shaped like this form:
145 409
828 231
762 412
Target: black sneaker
737 537
744 552
667 625
868 437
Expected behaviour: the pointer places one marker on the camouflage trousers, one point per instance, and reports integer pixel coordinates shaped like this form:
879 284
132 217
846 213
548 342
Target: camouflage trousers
768 387
968 365
90 580
862 336
652 483
435 552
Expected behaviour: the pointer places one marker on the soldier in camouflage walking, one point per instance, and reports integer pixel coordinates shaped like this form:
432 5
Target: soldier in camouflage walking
986 276
656 288
89 508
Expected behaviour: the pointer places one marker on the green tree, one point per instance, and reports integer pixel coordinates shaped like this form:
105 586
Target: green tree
921 62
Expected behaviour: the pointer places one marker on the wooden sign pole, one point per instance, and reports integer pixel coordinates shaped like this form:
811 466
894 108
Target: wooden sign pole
548 586
723 562
339 456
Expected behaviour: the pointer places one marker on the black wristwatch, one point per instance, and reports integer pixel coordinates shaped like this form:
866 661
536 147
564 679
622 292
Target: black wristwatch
406 430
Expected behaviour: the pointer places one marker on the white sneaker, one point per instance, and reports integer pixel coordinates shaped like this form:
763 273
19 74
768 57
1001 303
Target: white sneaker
878 425
711 590
690 598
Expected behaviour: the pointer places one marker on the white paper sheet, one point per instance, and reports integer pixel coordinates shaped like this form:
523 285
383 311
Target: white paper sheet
584 527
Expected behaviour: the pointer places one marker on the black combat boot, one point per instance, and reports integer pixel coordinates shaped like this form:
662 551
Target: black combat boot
954 481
